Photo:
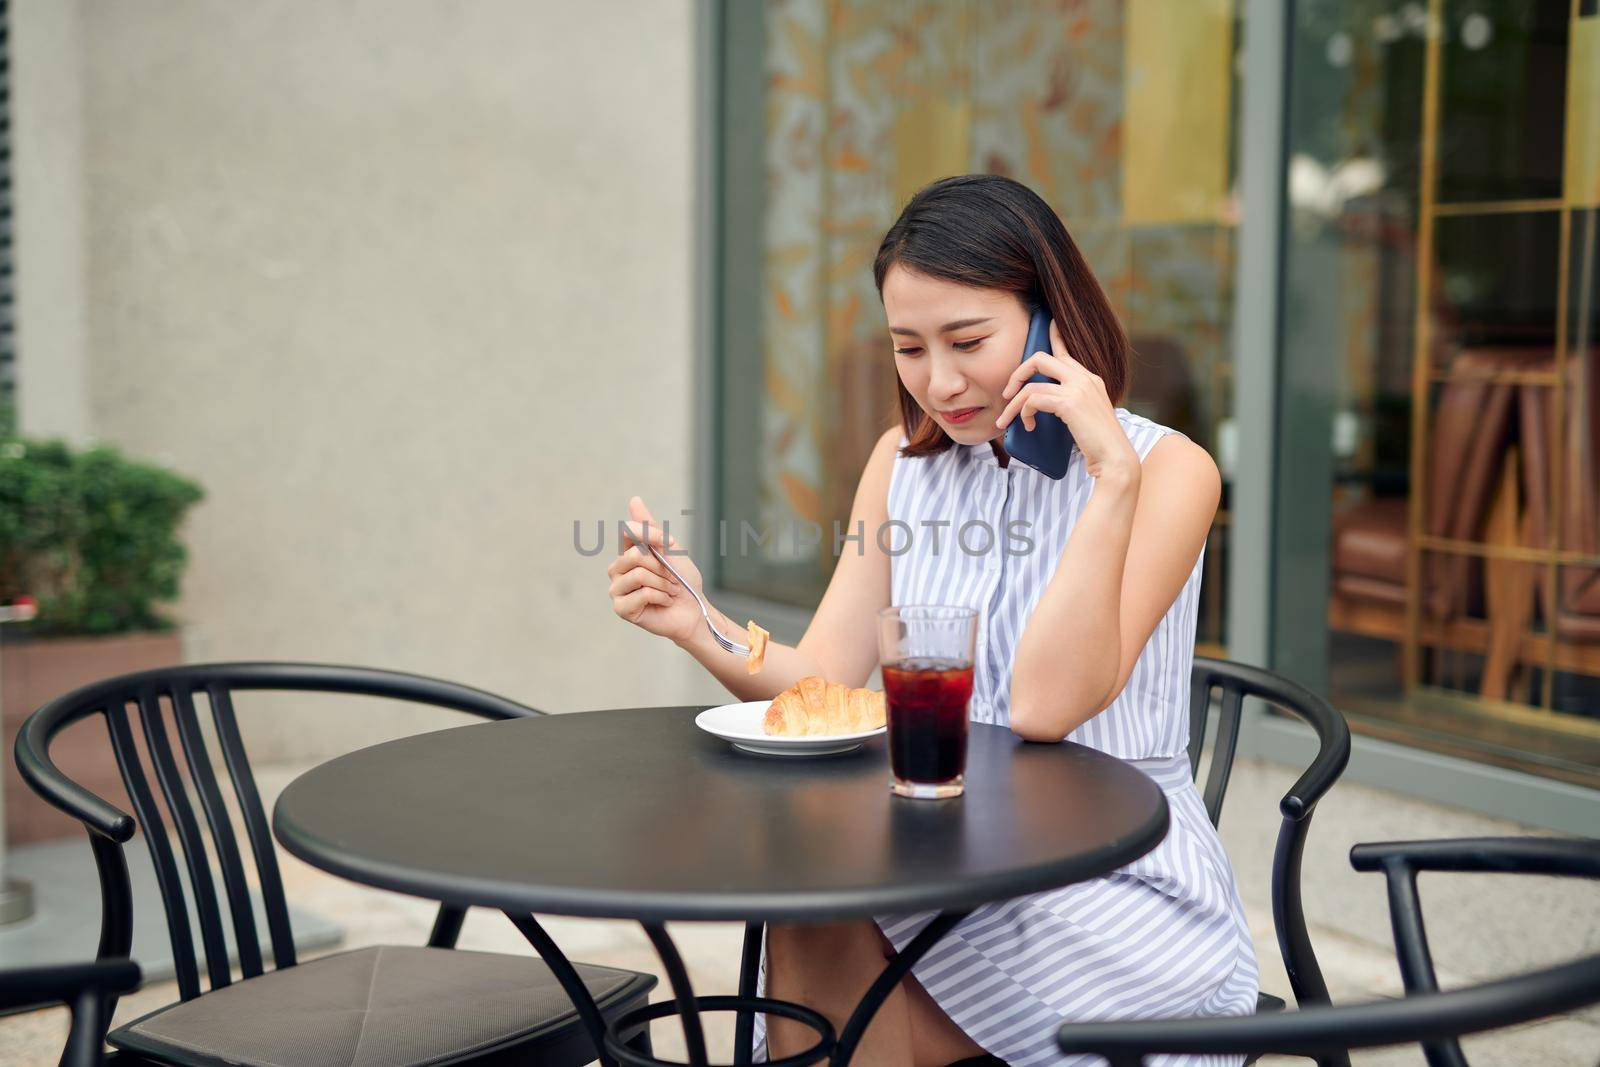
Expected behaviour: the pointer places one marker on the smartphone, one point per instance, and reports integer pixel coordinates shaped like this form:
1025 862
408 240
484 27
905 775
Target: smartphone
1047 448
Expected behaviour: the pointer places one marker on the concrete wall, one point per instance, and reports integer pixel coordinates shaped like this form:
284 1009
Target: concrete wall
400 283
47 174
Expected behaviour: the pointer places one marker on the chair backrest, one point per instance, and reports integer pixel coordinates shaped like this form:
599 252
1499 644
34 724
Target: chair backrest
1237 681
1426 1016
168 702
87 989
1402 861
1578 445
1472 423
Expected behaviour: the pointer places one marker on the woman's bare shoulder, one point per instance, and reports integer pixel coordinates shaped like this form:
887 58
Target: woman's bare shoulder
1176 464
874 484
884 451
890 440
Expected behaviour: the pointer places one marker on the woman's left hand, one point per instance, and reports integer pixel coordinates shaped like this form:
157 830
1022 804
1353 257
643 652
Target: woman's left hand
1079 399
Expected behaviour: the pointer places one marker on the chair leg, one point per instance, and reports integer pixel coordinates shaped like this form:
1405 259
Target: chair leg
1508 592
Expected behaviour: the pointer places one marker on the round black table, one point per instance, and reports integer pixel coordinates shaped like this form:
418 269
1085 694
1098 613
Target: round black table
638 814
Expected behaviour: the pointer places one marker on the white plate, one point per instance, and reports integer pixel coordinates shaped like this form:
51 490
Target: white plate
741 725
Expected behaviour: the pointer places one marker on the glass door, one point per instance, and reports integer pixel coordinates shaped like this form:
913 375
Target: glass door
1443 177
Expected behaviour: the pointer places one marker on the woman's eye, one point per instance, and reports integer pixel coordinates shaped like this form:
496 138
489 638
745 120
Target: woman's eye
959 346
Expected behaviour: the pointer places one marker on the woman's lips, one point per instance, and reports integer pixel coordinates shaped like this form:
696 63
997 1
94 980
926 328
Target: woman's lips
959 415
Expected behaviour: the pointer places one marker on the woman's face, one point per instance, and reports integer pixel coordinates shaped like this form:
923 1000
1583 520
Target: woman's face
955 348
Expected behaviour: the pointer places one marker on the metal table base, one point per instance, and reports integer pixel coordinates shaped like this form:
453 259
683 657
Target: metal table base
616 1049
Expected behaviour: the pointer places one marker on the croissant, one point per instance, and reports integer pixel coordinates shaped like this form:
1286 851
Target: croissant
813 707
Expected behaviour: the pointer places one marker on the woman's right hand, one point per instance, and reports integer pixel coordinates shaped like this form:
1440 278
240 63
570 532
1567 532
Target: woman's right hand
643 592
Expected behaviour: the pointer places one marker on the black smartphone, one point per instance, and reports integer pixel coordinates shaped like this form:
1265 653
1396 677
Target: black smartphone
1047 448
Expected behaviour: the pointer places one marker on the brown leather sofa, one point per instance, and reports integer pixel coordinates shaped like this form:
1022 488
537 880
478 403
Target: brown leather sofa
1470 429
1474 495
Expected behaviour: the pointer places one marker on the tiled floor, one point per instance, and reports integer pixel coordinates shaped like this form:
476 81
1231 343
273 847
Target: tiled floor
1481 926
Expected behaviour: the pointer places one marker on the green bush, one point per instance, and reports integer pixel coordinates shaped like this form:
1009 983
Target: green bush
91 535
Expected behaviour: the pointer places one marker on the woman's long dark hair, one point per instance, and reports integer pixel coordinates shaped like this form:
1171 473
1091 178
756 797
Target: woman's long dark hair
992 232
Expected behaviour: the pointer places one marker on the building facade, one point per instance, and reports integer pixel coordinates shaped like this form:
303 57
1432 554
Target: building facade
1353 245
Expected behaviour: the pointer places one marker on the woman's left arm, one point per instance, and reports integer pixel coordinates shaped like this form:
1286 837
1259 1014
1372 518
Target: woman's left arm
1130 552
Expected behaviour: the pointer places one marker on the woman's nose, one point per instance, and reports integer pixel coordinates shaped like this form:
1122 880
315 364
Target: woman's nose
945 381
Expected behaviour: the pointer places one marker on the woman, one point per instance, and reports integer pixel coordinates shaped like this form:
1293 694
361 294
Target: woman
1087 636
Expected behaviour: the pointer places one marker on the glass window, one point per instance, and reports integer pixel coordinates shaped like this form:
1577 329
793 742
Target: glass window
1442 175
1122 116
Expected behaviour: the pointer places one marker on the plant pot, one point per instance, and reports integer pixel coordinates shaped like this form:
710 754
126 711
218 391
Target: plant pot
34 672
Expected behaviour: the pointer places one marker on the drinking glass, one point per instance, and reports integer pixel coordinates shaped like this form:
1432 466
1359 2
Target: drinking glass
927 652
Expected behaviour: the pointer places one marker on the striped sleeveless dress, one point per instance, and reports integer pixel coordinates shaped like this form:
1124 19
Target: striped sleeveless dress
1163 936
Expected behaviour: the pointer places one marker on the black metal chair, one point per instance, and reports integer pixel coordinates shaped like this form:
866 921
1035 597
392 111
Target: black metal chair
1424 1015
1237 681
431 1004
87 989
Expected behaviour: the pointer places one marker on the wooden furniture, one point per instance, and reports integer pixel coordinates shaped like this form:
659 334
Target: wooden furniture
1471 429
1503 475
1564 497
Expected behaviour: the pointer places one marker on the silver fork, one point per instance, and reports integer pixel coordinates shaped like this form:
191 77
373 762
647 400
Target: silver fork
731 646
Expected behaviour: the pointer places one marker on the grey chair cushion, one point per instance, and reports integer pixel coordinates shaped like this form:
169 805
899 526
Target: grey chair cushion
388 1006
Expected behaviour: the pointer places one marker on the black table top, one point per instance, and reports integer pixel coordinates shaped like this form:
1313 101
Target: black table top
638 814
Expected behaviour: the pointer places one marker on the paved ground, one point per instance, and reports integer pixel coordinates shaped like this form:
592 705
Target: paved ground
1482 926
